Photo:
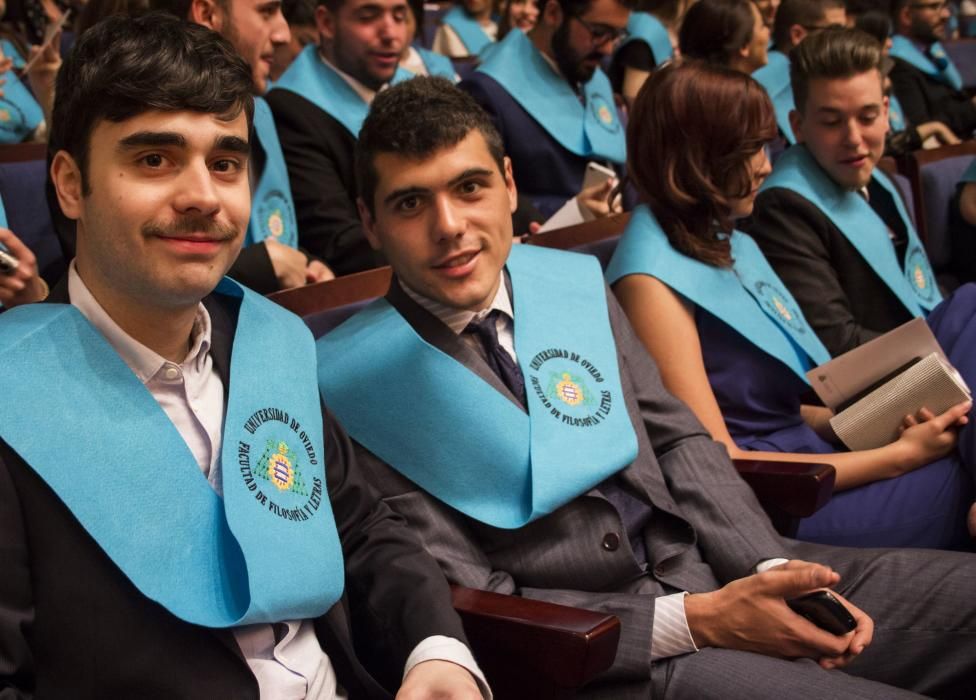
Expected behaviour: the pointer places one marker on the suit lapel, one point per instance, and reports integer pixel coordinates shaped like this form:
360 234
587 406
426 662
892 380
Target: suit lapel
433 331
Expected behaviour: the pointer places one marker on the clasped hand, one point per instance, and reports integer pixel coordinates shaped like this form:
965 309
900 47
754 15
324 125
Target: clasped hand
751 614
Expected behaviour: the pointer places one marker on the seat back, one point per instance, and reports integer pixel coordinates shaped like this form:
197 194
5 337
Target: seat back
935 175
598 238
963 54
433 12
23 174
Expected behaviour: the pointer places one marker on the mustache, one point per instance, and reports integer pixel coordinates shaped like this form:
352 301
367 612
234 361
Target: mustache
191 225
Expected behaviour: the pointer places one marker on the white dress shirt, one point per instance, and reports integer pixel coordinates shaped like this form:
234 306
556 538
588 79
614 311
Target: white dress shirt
286 657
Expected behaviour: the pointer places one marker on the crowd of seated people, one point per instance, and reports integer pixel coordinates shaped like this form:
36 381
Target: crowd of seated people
508 417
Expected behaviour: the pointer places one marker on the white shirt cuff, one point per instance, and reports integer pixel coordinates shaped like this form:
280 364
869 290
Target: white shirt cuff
768 564
444 648
670 635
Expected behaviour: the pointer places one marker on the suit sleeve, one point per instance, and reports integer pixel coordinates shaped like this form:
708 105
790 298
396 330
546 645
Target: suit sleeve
923 103
733 531
398 595
16 604
795 238
318 153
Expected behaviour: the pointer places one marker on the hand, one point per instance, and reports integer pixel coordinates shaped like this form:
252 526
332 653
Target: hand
534 227
24 285
939 130
318 271
436 679
289 264
751 614
927 437
596 199
42 73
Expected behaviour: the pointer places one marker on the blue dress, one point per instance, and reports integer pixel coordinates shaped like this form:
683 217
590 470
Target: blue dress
760 400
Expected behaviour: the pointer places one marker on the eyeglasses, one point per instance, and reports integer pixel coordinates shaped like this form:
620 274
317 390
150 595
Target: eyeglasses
938 6
600 34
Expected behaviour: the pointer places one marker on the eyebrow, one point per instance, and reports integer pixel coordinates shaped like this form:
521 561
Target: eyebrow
171 139
413 191
832 110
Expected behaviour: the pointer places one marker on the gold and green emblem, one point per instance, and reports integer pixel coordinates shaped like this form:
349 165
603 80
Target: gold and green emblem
4 115
605 115
569 389
280 467
781 308
276 224
920 277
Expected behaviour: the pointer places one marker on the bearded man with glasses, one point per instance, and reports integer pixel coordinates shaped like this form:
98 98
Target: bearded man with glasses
925 80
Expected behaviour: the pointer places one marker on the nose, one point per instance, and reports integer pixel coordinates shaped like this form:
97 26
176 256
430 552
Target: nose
450 221
852 134
280 32
197 193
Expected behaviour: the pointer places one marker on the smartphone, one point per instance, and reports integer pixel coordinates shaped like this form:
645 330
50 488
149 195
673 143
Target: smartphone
823 609
597 174
8 263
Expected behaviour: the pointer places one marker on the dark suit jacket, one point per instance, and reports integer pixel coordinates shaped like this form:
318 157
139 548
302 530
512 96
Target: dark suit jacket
843 299
580 554
73 626
925 99
319 154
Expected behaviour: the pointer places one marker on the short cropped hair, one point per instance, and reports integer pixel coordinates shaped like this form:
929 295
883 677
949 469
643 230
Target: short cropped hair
181 8
415 119
715 30
837 52
123 67
806 13
692 131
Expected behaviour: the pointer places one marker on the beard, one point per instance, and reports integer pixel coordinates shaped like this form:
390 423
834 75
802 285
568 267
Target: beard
569 62
926 33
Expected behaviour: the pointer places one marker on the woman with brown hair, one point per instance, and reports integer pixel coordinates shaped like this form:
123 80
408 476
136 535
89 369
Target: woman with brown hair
728 337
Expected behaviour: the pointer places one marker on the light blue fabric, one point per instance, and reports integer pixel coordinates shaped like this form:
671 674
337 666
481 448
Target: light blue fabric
449 431
939 66
968 176
20 114
647 28
469 31
272 206
436 64
12 52
749 296
267 550
3 215
309 77
896 115
913 284
590 129
775 78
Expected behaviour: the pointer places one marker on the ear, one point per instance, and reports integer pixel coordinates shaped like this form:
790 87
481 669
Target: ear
886 106
66 177
325 22
797 34
369 224
208 13
510 184
796 123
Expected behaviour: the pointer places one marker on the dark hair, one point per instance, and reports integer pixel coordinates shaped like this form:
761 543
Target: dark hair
833 53
416 119
122 67
875 23
692 131
299 12
181 8
715 30
806 13
94 11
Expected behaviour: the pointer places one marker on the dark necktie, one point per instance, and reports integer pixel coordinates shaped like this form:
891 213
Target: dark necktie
498 359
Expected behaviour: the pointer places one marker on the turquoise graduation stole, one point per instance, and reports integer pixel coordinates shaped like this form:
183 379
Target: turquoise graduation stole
968 176
20 114
941 68
749 296
590 130
445 428
268 549
645 27
3 215
469 31
775 78
913 284
11 51
436 65
272 207
309 77
896 115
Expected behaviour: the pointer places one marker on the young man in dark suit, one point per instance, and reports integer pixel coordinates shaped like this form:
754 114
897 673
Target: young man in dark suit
179 514
536 450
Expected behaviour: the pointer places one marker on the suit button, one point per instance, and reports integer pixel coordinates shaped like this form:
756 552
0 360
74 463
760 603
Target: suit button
611 541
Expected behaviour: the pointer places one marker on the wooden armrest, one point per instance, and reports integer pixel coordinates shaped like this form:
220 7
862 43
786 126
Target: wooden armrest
796 489
531 648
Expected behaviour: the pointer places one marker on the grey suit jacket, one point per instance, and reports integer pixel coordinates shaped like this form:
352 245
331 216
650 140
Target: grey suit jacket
706 529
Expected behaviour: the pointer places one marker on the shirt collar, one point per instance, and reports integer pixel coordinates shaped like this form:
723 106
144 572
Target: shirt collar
143 361
458 319
364 92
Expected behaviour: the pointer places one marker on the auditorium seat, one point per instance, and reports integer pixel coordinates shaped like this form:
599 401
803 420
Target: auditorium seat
963 54
23 172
